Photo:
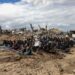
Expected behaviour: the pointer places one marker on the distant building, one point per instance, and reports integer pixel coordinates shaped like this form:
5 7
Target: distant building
72 33
17 31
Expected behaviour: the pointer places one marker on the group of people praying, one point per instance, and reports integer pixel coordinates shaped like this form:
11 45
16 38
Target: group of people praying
41 43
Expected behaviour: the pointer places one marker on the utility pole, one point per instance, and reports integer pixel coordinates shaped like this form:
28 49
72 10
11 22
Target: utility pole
32 27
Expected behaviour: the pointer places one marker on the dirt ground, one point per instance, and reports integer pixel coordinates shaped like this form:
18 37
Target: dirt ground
37 64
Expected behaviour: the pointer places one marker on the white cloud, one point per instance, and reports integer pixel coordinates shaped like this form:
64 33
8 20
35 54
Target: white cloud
37 12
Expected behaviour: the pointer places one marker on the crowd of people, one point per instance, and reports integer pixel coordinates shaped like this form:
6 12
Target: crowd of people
42 43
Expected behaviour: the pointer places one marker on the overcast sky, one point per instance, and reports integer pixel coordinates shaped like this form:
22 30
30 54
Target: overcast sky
54 13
